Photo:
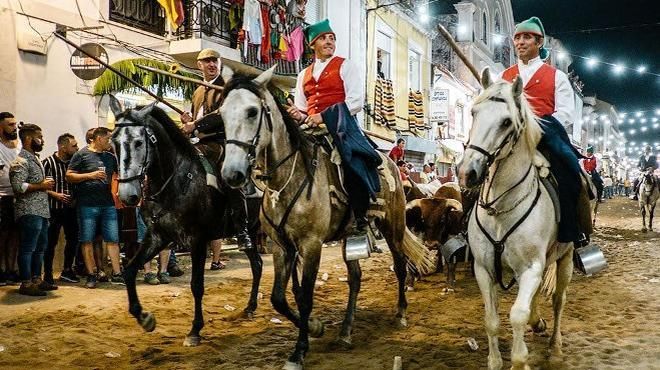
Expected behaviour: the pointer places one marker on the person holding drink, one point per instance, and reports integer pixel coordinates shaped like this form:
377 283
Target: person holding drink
90 168
30 185
62 211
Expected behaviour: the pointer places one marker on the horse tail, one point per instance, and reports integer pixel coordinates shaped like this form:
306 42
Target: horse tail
549 280
416 252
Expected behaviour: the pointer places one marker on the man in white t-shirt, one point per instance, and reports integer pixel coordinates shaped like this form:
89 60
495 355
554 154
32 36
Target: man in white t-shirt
9 149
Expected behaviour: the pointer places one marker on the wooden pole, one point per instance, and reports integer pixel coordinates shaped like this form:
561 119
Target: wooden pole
458 51
111 68
182 78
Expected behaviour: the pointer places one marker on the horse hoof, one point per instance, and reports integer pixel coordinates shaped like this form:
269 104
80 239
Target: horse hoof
148 321
191 341
540 327
402 322
292 366
345 342
249 315
316 328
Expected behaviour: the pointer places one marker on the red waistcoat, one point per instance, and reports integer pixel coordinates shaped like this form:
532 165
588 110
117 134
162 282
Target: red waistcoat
327 91
540 89
589 164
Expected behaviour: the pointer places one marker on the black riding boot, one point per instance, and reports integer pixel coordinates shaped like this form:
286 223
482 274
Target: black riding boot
359 226
239 217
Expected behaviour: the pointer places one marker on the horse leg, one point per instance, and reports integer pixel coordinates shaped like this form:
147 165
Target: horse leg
529 282
354 282
564 275
282 265
400 269
643 210
305 301
145 319
651 217
535 320
492 320
256 265
198 257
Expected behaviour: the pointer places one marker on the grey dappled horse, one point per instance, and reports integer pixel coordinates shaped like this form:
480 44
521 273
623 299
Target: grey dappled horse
302 205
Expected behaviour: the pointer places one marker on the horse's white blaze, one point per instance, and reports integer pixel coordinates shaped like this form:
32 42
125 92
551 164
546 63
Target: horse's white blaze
131 140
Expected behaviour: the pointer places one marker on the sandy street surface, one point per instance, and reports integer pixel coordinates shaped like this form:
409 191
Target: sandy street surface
611 321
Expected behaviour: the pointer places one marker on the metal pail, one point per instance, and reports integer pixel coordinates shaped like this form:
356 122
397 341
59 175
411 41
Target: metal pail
358 247
590 259
453 245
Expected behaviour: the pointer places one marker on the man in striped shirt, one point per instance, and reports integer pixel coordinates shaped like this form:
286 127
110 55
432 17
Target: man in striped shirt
62 212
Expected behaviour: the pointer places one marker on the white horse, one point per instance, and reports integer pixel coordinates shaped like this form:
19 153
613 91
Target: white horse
513 223
648 196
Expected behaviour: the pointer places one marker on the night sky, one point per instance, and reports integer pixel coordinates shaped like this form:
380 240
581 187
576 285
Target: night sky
630 43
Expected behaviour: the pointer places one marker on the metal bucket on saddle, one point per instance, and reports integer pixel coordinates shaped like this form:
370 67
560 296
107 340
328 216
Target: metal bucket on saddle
448 250
590 259
453 245
359 247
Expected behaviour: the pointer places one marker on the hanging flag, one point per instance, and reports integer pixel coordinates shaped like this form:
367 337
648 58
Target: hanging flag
173 11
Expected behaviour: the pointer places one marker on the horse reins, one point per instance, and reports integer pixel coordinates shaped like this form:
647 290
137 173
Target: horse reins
151 139
488 206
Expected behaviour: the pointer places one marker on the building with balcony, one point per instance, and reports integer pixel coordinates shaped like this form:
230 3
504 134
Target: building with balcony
398 64
37 69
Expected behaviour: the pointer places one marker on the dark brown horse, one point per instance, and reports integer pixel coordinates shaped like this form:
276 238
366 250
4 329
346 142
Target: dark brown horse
181 208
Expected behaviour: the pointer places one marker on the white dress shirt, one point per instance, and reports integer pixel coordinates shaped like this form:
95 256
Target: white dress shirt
353 85
564 95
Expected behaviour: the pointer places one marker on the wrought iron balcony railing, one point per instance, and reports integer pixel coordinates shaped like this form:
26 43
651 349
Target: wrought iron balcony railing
145 15
209 19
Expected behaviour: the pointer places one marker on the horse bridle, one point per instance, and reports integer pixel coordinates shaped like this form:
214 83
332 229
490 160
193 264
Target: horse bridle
488 206
252 146
492 156
150 139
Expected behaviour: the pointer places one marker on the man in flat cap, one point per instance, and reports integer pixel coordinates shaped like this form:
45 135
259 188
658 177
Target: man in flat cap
550 95
206 123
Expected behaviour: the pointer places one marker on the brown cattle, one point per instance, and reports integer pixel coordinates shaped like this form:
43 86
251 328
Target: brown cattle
435 219
449 190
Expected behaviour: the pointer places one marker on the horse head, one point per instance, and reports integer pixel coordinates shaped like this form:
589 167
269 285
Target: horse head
248 123
132 139
501 117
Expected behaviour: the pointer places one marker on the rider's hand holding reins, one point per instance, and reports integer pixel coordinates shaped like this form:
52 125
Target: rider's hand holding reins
314 120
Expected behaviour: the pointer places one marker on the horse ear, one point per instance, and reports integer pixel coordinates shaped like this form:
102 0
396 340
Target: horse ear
264 78
115 105
227 73
517 87
144 112
485 78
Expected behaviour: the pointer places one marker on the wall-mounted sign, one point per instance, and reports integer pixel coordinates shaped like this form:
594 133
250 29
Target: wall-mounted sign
85 67
30 42
439 105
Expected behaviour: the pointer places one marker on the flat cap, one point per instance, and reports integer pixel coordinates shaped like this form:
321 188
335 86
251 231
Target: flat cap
208 53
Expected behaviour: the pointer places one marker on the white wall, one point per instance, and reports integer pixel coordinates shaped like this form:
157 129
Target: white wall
45 91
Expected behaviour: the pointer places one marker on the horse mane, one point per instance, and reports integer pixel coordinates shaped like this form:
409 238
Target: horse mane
298 142
175 134
525 121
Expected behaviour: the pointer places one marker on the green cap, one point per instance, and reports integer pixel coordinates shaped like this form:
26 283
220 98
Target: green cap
316 30
534 26
590 149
